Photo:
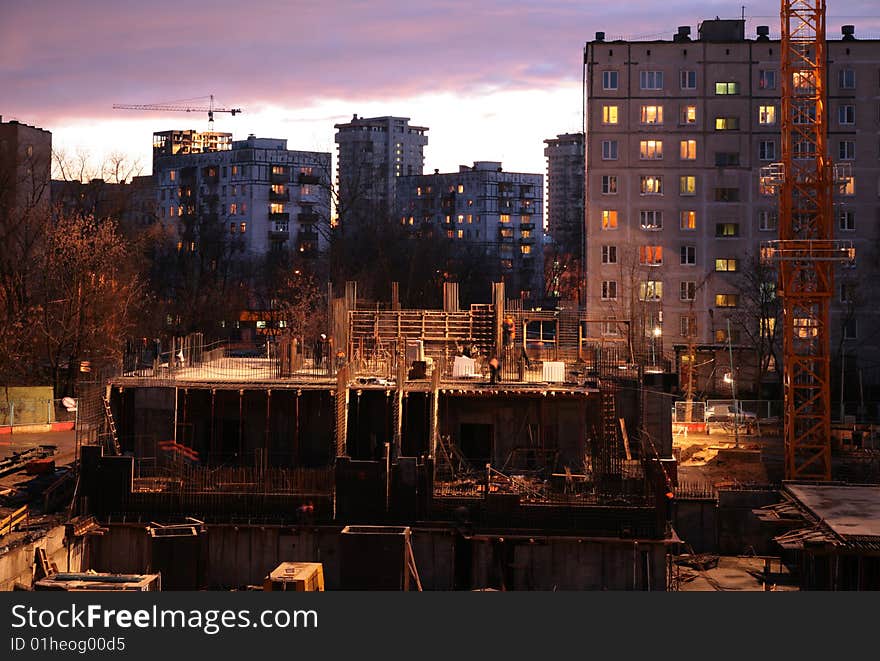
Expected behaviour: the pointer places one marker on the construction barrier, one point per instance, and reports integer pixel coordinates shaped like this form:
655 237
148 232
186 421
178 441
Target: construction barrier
10 522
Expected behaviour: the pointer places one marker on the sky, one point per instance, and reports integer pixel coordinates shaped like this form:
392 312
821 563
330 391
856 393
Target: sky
492 79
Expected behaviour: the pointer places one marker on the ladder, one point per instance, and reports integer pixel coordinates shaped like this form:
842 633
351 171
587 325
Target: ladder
114 437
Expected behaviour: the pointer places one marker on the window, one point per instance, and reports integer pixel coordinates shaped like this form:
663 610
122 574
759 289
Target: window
687 290
651 184
726 265
506 232
651 80
767 150
651 220
609 114
721 336
460 188
243 227
275 207
766 79
687 220
804 82
687 115
232 228
846 221
727 194
651 115
609 254
460 234
650 290
803 149
233 208
846 114
726 123
688 325
766 114
767 220
460 218
419 191
850 330
688 80
688 255
609 80
726 230
609 184
609 290
609 219
278 169
688 150
651 149
803 114
724 159
726 300
172 175
609 150
610 328
504 218
846 150
650 255
848 187
846 292
687 184
726 88
847 79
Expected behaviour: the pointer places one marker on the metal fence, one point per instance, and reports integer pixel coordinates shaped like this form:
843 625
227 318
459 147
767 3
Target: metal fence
699 411
23 412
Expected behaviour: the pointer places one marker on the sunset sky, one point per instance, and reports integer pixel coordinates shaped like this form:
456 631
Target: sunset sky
491 79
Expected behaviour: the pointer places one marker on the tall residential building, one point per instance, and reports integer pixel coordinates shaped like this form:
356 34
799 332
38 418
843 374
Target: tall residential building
565 191
677 132
372 154
25 165
132 204
495 217
257 193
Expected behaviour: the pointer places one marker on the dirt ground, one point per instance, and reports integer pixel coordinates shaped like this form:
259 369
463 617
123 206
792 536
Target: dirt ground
724 457
736 573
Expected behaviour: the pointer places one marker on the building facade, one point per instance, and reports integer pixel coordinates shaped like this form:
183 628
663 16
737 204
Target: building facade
25 166
257 193
495 216
132 203
565 190
676 134
372 154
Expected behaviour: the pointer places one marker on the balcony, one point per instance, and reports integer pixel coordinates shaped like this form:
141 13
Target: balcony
307 235
279 217
527 226
529 240
505 234
279 232
307 218
303 178
210 175
279 197
278 177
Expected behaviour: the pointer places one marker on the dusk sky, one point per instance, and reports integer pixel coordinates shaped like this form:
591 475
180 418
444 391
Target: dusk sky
491 79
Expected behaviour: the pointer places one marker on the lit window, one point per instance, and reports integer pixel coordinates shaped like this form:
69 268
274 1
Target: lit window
687 220
506 232
650 290
651 149
767 220
233 209
651 185
234 170
609 80
171 210
846 150
243 227
609 219
609 290
172 175
460 218
526 249
767 326
470 219
848 187
726 123
688 80
726 230
766 114
651 220
767 150
847 79
609 114
688 255
687 290
461 188
419 191
766 79
276 207
687 184
609 184
805 327
726 88
688 325
687 115
609 150
726 300
726 264
651 115
305 190
278 169
651 80
846 221
525 234
503 218
650 255
609 254
460 234
846 114
688 150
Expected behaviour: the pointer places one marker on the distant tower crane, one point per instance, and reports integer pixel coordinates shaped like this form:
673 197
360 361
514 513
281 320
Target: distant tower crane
182 106
806 251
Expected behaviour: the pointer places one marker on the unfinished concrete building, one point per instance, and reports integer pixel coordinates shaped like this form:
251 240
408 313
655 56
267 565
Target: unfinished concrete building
556 475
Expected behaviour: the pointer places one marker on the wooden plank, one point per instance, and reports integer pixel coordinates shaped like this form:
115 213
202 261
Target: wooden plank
625 439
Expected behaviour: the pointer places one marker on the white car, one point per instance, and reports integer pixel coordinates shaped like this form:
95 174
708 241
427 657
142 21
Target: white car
732 414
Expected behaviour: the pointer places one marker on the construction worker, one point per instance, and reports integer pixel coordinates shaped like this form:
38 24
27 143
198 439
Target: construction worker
494 370
507 330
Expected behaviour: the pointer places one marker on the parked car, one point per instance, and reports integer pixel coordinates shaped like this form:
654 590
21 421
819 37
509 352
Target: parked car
731 414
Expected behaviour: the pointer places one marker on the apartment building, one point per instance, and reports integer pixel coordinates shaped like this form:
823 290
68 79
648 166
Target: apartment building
372 153
676 134
493 215
257 193
25 165
565 191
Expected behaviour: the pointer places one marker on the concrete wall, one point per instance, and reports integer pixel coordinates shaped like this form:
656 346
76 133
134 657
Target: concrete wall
696 523
17 564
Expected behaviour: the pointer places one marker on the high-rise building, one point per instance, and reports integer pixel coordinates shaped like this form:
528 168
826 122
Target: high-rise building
495 216
255 192
25 165
372 154
677 133
565 191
